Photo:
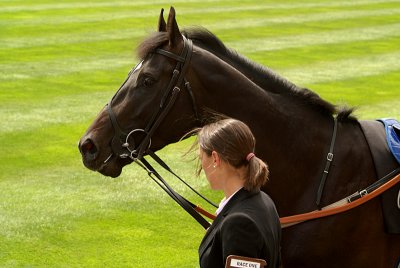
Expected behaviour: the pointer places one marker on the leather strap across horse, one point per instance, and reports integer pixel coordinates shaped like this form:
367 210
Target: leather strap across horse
345 204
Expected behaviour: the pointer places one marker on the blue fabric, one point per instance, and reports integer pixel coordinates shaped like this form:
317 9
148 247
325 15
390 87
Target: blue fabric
392 127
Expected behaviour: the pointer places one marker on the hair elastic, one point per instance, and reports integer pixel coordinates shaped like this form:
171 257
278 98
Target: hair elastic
250 156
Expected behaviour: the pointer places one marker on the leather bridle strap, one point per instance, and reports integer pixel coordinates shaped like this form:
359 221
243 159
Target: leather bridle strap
167 168
329 159
120 143
183 202
118 131
159 116
170 55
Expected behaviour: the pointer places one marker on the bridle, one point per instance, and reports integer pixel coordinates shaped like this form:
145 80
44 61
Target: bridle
123 144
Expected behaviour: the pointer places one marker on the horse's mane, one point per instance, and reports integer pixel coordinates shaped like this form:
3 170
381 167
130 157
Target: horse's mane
260 75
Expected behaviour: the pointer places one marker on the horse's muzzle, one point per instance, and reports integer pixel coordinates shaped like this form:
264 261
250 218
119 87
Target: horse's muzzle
90 153
88 149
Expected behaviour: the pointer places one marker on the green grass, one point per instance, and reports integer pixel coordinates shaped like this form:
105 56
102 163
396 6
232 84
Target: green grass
60 62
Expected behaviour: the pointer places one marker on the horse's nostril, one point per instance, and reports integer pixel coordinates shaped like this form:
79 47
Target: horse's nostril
88 149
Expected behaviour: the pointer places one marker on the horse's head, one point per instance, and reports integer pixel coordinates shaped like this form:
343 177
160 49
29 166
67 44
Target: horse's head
152 108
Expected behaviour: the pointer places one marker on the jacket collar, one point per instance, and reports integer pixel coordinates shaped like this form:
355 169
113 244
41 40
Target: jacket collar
241 195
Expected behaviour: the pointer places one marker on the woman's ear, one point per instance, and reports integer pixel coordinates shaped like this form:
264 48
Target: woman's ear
216 159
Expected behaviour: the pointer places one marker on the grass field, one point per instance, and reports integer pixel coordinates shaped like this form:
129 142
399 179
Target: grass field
61 61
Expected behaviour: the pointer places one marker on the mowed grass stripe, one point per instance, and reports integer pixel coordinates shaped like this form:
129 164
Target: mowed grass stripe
61 189
320 17
62 38
317 38
308 55
384 109
209 9
271 19
344 69
60 67
31 92
376 89
51 112
87 5
227 24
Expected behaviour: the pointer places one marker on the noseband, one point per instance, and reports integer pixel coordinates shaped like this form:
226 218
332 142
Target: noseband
123 144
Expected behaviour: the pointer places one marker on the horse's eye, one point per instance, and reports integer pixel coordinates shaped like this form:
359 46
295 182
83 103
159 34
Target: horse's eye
148 81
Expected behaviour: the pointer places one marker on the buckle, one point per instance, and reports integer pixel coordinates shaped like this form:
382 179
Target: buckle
329 157
363 193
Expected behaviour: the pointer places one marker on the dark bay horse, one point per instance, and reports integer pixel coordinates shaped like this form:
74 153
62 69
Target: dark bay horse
293 127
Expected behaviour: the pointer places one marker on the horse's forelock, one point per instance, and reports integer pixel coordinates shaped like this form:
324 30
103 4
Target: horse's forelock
151 43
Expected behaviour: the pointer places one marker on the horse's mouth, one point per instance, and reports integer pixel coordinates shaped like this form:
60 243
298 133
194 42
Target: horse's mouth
112 166
109 167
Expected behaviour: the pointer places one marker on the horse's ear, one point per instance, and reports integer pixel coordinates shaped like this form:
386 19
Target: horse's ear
172 28
162 26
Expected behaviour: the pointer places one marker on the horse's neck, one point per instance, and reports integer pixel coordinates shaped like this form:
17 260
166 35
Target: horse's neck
228 91
259 74
291 136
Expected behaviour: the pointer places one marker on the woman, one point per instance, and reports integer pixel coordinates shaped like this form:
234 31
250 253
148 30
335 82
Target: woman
247 223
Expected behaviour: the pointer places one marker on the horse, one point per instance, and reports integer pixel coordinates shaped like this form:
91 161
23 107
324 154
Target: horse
182 75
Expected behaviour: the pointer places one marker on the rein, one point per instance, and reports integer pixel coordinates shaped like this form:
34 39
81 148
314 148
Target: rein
188 206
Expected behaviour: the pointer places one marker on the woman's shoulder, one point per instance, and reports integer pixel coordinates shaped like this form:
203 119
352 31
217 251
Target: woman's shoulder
251 204
258 200
239 221
258 207
238 216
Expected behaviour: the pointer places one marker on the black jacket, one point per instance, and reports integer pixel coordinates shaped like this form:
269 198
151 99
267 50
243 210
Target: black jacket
247 226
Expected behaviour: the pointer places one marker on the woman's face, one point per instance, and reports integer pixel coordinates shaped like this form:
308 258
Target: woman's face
209 168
